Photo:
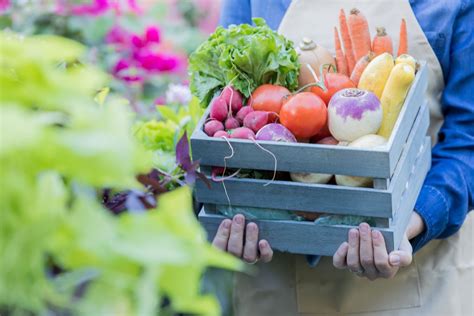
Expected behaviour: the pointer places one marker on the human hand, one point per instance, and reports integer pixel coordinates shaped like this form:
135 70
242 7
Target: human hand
230 238
366 255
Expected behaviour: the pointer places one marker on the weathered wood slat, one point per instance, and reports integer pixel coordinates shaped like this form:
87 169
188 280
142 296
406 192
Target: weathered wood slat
410 154
298 196
296 237
294 157
413 102
412 190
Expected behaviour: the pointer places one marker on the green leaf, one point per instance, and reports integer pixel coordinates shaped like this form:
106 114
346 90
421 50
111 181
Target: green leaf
245 57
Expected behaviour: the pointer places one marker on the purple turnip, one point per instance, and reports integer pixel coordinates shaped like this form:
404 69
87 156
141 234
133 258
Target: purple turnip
353 113
276 132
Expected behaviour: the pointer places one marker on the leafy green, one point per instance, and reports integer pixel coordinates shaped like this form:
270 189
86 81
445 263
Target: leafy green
244 56
58 148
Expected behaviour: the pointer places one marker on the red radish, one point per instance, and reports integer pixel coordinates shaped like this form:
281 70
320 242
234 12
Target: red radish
276 132
256 120
242 133
220 134
243 113
231 123
233 97
328 141
219 109
212 127
323 133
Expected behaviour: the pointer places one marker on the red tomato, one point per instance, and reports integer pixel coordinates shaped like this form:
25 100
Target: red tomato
304 114
333 82
268 98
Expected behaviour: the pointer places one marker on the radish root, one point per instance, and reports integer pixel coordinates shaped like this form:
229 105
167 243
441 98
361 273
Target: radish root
274 158
225 167
222 178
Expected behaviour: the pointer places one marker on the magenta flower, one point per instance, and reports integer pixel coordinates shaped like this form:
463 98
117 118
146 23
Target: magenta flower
137 41
157 62
4 5
124 70
152 34
97 7
118 36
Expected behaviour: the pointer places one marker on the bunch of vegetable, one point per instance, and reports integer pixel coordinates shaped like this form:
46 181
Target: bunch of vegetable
245 57
351 100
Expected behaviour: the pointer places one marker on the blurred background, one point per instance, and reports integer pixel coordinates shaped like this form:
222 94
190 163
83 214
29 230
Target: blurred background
98 216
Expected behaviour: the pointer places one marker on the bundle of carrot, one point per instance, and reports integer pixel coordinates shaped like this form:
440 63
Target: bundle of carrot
359 49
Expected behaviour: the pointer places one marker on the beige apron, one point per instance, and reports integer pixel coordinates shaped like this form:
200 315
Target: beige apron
441 279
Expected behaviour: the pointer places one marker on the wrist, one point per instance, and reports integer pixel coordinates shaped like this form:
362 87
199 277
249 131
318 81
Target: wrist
416 226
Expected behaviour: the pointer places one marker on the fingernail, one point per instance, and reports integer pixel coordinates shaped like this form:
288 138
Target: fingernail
264 244
226 224
395 260
364 228
250 227
375 234
238 219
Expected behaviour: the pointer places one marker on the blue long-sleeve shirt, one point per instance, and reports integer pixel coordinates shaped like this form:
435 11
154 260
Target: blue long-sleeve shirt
447 194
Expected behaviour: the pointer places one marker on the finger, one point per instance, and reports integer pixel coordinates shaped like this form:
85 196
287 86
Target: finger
402 257
353 262
266 252
381 256
251 240
236 239
222 235
367 251
339 258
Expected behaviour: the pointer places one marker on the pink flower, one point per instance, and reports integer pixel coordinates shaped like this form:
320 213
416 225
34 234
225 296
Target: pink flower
4 5
117 35
157 62
152 34
124 70
98 7
137 41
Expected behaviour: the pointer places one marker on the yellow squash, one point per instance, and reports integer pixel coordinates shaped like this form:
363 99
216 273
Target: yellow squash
376 74
407 59
394 95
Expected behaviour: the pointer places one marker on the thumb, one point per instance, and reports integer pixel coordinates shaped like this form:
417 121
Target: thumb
402 257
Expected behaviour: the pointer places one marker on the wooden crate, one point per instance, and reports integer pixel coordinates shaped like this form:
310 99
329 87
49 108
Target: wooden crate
398 170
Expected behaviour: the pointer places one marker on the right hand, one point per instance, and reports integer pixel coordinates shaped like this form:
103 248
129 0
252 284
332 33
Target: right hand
230 238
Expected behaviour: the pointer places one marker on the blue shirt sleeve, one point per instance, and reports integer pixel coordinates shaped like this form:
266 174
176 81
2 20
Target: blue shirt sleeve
235 12
447 194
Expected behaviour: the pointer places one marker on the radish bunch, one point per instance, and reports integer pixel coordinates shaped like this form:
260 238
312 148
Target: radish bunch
229 118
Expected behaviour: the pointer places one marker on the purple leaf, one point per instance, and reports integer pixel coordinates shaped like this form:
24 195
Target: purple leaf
182 153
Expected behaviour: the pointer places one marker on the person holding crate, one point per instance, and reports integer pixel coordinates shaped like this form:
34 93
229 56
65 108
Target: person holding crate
439 280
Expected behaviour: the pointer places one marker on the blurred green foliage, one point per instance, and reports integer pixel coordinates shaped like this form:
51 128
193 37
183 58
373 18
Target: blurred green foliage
61 249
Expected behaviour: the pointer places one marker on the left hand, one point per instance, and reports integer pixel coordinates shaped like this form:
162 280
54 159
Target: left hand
366 255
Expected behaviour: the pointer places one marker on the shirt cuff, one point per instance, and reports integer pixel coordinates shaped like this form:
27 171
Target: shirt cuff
433 209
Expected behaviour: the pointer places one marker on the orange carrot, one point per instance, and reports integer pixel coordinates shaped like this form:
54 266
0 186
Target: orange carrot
382 42
360 34
341 62
360 67
403 45
346 40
